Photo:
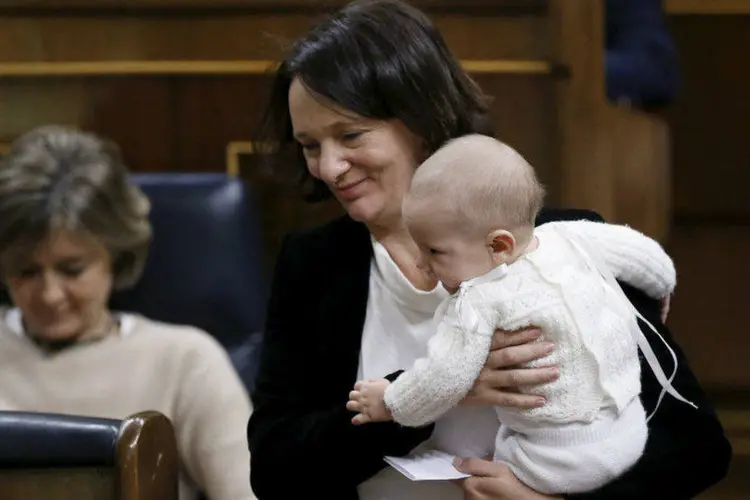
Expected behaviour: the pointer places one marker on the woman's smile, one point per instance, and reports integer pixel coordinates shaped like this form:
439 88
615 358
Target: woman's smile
351 190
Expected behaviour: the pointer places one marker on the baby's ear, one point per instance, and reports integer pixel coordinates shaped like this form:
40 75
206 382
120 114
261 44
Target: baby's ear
502 244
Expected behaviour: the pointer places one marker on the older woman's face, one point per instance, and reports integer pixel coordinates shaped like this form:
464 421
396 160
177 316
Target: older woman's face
367 164
62 288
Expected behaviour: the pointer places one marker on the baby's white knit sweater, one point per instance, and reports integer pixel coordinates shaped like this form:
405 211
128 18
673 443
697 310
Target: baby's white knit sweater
557 288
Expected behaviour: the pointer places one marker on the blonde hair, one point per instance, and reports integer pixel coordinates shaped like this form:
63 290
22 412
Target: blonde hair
482 183
59 178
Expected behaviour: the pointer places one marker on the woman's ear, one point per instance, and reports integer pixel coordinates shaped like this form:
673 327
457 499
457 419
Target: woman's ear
502 245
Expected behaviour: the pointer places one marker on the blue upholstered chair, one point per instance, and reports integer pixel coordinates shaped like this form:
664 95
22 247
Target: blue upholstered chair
205 266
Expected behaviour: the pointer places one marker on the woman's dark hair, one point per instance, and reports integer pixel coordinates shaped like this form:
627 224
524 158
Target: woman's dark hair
382 59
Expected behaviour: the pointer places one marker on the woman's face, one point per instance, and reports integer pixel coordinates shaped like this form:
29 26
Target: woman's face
368 164
62 287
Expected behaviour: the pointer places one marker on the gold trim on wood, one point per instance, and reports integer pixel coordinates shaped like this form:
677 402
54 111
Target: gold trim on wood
233 152
507 67
117 68
248 67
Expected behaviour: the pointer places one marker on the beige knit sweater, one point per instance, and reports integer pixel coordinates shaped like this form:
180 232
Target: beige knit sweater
179 371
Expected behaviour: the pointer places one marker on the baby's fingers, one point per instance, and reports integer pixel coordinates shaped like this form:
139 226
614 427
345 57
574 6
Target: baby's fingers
354 406
360 418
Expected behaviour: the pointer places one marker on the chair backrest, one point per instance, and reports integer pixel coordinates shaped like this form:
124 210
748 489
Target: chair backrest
46 456
205 266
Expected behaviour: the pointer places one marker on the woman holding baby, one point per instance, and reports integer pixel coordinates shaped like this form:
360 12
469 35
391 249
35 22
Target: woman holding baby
357 105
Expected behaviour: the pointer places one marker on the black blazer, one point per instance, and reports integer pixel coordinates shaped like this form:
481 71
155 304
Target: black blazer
300 436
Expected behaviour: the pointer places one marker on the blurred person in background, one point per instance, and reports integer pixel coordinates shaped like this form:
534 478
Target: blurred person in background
641 59
72 229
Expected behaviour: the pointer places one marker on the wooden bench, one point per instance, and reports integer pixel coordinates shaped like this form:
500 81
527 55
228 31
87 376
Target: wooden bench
61 457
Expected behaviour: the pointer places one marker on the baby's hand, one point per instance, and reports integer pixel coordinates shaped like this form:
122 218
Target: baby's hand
367 400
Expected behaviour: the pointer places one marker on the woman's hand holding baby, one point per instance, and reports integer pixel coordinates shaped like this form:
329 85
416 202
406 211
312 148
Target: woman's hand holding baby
367 400
497 384
499 380
493 481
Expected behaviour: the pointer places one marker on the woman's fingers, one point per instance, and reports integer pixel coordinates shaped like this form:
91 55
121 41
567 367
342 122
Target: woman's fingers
498 387
518 354
506 399
504 379
502 339
499 380
480 467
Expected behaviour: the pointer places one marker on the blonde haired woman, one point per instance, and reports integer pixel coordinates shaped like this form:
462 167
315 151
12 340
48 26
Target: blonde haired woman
72 229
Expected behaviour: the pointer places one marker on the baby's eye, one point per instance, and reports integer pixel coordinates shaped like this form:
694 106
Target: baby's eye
434 251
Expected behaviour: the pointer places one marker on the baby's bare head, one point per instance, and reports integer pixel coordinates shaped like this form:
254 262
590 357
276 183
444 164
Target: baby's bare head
479 183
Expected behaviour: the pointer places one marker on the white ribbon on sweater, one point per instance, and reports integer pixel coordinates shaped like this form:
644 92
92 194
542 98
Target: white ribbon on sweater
598 265
468 317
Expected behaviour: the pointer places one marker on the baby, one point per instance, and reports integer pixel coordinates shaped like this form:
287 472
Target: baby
471 210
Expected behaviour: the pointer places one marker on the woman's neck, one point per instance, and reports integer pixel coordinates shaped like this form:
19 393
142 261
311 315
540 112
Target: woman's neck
104 326
405 254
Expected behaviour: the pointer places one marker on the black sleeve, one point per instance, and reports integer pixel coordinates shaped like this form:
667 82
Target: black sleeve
687 451
301 438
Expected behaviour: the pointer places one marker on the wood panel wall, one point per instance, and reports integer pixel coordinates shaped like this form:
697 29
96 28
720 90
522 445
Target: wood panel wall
176 86
183 121
710 238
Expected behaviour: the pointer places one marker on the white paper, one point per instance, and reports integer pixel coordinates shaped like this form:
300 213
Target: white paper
431 465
